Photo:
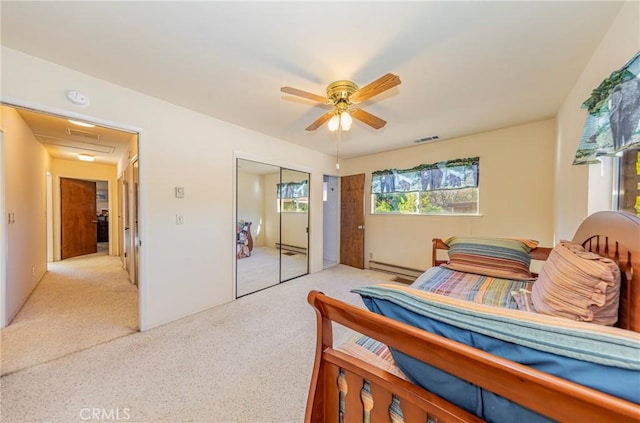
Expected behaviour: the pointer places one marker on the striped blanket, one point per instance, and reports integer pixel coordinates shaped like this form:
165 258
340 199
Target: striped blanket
373 352
471 287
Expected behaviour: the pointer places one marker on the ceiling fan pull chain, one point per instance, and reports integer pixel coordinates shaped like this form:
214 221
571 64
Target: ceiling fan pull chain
338 149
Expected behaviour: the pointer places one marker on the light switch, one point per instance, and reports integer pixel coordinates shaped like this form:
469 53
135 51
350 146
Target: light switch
179 219
179 192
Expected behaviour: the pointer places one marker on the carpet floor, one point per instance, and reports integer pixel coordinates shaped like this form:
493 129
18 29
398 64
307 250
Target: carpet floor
79 303
265 267
246 361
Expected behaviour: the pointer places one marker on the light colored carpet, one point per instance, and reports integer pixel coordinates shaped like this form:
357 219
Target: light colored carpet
258 271
79 303
246 361
261 269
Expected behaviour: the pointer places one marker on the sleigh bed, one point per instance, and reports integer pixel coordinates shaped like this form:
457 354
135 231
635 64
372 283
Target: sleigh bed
445 354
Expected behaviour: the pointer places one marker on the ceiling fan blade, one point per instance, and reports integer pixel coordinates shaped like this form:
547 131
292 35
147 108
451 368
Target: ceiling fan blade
373 121
320 121
300 93
381 84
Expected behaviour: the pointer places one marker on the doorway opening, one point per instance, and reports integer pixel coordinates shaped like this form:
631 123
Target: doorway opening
40 156
331 221
84 205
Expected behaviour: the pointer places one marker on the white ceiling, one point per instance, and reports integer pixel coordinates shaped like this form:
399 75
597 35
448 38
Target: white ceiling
466 67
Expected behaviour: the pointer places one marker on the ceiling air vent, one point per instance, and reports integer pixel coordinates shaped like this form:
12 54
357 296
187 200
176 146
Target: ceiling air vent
427 139
74 144
94 136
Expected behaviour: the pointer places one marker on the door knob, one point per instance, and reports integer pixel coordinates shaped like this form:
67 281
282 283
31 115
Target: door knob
360 226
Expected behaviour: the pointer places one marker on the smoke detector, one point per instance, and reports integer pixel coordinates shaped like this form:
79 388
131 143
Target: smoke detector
77 98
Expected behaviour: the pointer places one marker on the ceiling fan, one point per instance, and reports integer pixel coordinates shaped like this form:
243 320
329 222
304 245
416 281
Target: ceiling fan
342 95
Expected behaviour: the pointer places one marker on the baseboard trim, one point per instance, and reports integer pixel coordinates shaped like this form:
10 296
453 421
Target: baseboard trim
293 248
401 271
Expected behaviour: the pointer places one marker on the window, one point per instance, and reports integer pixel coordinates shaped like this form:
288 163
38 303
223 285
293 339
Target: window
293 197
440 188
294 205
629 182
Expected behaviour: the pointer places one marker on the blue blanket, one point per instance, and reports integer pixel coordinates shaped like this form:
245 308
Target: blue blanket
602 358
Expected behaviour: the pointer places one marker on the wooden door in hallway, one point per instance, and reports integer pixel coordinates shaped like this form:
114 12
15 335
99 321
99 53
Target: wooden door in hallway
352 220
77 218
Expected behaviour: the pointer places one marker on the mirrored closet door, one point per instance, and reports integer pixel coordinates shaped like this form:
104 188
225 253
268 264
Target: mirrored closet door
294 224
272 220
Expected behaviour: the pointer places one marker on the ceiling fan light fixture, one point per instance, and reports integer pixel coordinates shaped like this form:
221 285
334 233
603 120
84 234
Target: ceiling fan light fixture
86 157
334 122
345 120
341 95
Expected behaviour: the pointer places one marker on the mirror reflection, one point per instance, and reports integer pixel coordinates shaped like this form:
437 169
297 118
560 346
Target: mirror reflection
272 218
294 218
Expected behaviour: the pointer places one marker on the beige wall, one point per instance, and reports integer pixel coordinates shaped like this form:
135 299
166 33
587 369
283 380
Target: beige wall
516 192
26 163
132 152
88 171
184 268
582 190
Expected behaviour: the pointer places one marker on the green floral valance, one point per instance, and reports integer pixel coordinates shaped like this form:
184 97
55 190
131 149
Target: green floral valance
293 189
452 174
613 121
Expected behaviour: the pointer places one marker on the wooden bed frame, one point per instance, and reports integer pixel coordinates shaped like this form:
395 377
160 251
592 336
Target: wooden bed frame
612 234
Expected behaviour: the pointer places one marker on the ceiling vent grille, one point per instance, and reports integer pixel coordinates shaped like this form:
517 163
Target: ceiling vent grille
83 134
427 139
75 145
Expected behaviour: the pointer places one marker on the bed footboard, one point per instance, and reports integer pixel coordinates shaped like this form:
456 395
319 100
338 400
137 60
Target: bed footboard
346 389
369 392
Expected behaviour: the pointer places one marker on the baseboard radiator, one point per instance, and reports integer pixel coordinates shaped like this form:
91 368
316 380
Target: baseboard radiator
293 248
400 271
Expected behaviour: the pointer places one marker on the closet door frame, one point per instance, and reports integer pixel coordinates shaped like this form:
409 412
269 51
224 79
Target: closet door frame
239 155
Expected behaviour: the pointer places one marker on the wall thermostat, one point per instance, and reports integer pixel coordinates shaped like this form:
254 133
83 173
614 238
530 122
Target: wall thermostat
179 192
76 97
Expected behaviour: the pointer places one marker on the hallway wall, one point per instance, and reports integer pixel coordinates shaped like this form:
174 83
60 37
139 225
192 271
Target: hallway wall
26 163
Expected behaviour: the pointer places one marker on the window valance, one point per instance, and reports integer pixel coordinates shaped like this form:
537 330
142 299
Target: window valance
293 189
613 119
452 174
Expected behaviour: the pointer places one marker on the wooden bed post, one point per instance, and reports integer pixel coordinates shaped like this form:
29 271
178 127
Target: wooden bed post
324 331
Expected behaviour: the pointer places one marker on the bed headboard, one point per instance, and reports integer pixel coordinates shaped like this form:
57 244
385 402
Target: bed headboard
617 235
608 233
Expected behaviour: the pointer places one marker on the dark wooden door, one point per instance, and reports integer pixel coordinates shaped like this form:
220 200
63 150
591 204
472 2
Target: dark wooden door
78 218
352 220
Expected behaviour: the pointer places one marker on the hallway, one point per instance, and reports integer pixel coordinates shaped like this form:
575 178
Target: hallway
80 302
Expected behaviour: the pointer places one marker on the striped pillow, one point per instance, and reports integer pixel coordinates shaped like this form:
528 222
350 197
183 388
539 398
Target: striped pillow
505 258
578 285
